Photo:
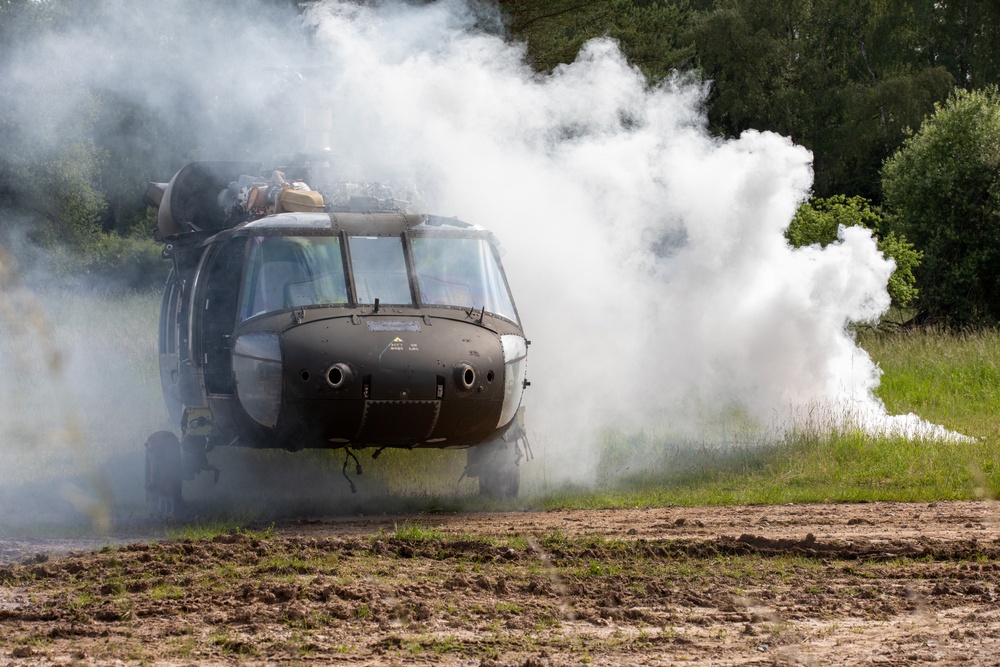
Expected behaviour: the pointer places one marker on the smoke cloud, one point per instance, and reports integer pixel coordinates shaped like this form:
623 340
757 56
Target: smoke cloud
646 256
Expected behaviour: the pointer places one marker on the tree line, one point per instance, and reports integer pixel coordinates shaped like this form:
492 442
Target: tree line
871 87
845 79
896 99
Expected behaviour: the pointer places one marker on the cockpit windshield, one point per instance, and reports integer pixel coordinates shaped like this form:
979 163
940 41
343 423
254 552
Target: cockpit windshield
297 271
461 272
291 271
379 270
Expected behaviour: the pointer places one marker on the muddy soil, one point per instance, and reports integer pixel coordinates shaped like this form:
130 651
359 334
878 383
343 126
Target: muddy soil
871 584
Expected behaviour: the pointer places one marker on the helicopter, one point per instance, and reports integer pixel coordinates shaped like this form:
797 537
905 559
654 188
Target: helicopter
334 318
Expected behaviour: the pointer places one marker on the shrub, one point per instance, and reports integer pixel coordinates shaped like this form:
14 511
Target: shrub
942 190
818 221
107 262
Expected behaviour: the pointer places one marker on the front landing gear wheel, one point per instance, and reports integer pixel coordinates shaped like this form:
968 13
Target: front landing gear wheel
495 463
500 482
163 474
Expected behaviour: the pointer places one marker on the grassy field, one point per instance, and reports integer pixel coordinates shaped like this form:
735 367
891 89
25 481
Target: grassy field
80 394
945 377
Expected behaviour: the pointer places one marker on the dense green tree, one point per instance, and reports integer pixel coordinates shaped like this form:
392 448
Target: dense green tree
748 51
845 78
57 184
942 190
842 78
818 221
55 181
963 35
648 31
861 53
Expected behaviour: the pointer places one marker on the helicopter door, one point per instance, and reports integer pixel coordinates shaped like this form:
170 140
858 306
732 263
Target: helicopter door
222 291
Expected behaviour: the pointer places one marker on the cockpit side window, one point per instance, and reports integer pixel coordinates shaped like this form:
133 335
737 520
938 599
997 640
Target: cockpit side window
293 271
461 272
379 270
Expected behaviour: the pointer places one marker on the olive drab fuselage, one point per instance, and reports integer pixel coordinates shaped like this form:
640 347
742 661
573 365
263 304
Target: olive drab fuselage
351 329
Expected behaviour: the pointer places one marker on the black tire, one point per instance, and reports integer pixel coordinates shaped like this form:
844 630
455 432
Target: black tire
500 482
495 464
163 474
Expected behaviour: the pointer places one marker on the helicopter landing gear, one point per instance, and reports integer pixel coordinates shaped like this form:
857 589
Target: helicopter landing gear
194 457
500 482
495 463
163 474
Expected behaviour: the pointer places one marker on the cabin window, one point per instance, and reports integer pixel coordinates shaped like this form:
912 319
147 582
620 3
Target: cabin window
461 272
379 270
291 272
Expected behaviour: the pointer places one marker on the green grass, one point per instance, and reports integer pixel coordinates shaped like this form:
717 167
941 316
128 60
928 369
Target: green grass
166 592
835 468
947 378
414 532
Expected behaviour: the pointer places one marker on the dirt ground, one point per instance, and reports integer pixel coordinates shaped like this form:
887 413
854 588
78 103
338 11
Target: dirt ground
869 584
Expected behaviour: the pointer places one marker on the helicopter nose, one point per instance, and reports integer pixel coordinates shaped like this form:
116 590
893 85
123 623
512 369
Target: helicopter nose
350 379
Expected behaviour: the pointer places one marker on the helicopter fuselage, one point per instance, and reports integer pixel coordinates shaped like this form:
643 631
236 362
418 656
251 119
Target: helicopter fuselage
332 330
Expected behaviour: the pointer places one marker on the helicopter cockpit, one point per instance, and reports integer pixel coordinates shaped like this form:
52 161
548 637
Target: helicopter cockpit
305 271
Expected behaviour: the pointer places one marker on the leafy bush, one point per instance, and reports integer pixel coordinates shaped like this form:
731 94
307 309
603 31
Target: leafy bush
110 263
818 221
942 190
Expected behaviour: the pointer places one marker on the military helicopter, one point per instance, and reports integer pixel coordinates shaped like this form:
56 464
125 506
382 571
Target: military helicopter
332 318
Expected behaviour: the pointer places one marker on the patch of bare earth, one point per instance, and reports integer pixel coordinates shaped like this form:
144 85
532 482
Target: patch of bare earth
873 584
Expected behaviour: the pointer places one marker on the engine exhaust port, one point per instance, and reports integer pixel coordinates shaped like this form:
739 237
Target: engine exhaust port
338 375
465 376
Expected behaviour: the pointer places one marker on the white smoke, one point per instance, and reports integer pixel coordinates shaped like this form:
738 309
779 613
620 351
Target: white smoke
646 256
